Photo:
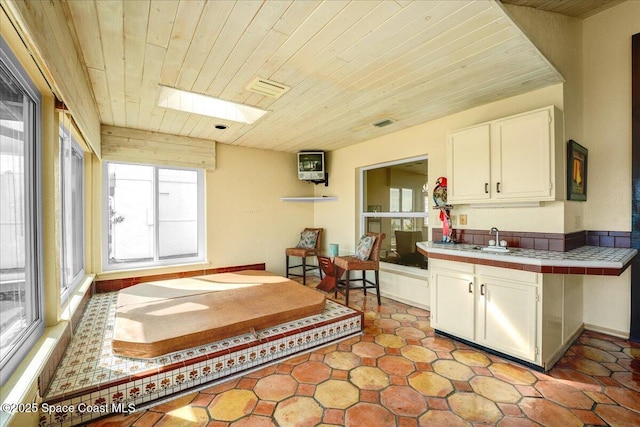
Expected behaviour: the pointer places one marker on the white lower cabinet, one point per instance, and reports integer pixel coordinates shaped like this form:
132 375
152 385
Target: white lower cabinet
507 317
452 299
501 309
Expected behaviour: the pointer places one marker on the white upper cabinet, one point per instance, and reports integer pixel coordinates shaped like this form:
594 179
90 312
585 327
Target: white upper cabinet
518 158
469 164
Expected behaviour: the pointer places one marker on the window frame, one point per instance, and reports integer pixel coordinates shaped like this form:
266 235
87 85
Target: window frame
67 287
157 262
34 277
364 215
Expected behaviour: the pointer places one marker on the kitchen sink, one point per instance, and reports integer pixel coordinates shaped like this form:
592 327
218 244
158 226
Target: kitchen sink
498 249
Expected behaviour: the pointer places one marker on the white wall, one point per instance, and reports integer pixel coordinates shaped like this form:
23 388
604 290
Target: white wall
607 135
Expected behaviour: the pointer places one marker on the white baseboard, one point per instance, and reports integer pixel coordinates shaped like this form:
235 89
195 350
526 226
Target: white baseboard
607 331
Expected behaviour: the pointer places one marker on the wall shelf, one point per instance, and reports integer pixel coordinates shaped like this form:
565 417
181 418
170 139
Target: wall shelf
310 199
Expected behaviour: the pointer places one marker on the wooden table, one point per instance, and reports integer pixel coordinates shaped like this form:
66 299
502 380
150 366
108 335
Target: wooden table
331 272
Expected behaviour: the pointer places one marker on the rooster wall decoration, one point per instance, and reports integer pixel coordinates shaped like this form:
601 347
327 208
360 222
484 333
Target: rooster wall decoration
440 199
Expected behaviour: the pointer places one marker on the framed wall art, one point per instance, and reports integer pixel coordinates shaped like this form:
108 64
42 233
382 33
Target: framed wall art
576 171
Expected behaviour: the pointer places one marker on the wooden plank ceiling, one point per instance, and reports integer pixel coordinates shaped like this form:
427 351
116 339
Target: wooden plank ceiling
348 63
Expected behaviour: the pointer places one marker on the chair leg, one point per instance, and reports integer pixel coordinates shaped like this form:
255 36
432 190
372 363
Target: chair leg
287 267
304 271
346 290
364 282
377 273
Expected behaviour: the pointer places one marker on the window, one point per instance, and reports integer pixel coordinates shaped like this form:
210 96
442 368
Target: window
72 183
21 312
155 215
395 202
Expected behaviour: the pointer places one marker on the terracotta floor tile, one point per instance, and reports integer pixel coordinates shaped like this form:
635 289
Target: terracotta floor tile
564 394
624 397
516 422
548 413
618 416
367 414
254 421
438 403
512 374
369 378
193 416
342 360
588 417
471 358
275 387
306 389
396 365
442 418
593 353
333 416
586 366
628 379
453 370
337 394
510 409
371 396
418 354
387 324
403 400
411 334
311 372
368 350
298 412
407 422
495 389
474 408
390 341
148 419
431 384
265 408
232 404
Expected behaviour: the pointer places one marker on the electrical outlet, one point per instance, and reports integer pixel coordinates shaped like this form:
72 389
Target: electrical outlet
463 219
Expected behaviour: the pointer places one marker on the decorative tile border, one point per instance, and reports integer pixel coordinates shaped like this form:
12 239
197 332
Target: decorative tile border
112 285
542 241
90 376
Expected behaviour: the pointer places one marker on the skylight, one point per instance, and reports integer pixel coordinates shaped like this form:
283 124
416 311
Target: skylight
196 103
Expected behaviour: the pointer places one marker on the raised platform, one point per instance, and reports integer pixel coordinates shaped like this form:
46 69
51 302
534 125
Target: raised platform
90 376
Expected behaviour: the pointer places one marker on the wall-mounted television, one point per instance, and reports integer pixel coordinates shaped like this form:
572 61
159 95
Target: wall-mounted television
311 166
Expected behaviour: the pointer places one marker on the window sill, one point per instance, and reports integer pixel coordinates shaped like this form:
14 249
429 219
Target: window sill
22 386
76 298
149 271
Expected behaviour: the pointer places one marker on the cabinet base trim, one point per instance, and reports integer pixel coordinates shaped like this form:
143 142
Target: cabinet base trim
495 352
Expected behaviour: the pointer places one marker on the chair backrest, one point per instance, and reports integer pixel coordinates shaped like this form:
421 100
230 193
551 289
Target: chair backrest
406 241
377 245
319 239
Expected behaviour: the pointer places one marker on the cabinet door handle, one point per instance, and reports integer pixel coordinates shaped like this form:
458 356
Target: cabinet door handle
486 188
498 187
470 287
482 289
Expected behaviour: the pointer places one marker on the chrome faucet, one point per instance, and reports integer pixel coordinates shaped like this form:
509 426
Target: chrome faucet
495 230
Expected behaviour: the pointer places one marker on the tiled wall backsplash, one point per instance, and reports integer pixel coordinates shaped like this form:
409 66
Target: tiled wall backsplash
542 241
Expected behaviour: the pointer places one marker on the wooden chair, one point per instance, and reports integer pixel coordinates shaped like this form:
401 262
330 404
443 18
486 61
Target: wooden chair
352 263
304 253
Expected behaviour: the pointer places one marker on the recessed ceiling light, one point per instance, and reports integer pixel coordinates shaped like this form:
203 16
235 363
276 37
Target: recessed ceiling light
196 103
221 127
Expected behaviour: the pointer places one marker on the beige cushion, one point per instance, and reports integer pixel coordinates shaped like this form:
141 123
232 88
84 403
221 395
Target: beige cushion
157 318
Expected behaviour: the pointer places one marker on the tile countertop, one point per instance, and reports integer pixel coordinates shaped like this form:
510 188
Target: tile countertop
594 260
